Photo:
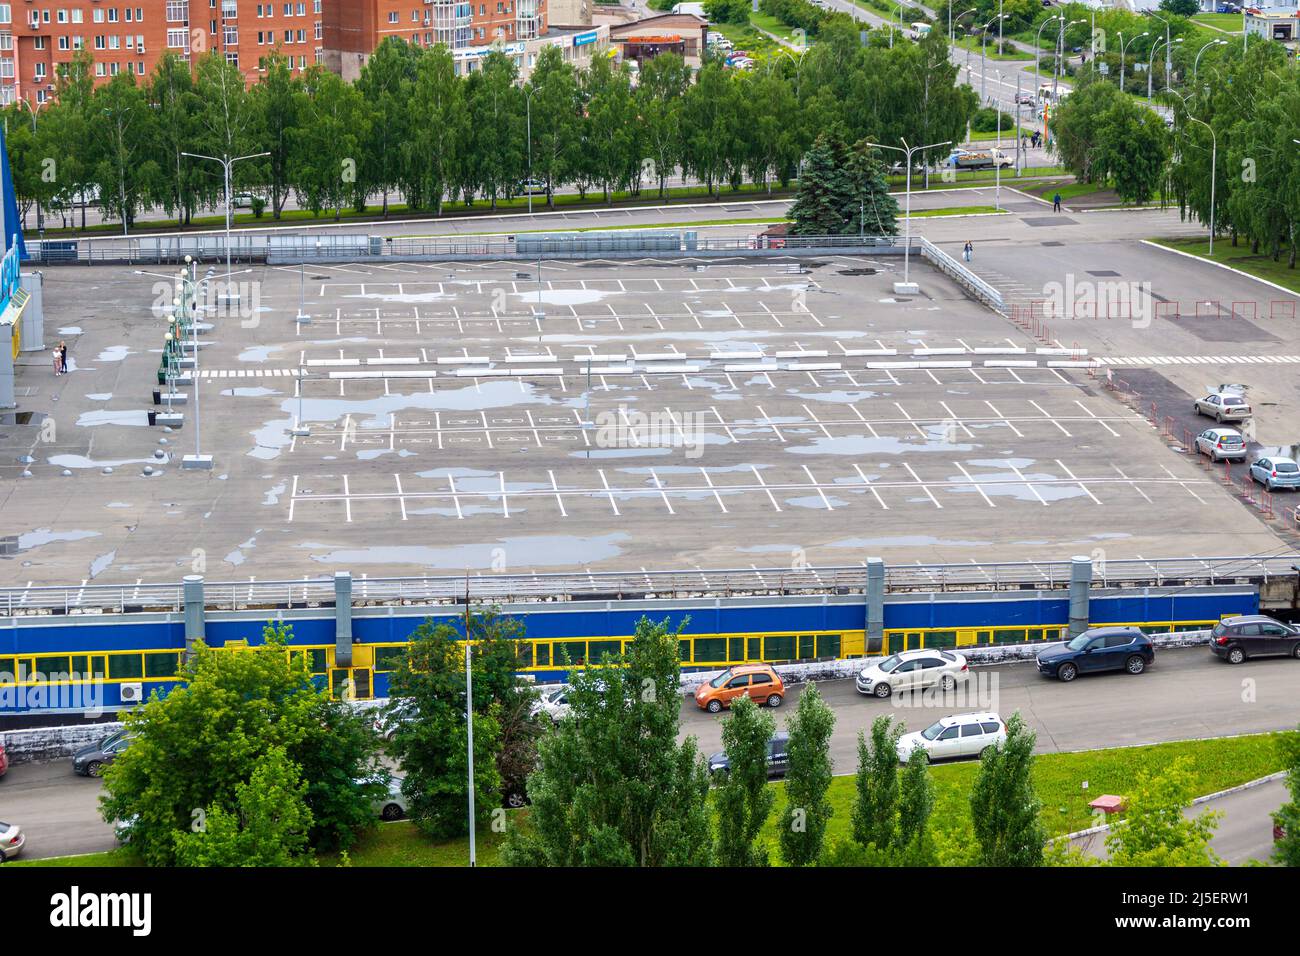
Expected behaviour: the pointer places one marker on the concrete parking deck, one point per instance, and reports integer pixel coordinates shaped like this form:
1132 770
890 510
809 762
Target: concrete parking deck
659 415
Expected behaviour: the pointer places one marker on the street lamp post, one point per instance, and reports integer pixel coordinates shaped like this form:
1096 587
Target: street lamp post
1197 62
469 733
908 152
1123 45
984 33
226 163
965 13
1168 50
1060 54
1214 163
1151 66
40 219
1038 41
528 133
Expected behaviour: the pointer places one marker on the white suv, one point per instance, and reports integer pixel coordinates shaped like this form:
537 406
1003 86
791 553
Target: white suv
911 670
965 735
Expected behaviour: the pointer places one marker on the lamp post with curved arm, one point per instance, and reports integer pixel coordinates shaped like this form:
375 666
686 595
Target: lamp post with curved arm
907 152
1214 163
1123 45
1039 39
1060 53
984 34
964 13
1152 65
1197 62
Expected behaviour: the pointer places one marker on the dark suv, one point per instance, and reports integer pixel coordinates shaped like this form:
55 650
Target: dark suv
1096 650
778 758
1253 635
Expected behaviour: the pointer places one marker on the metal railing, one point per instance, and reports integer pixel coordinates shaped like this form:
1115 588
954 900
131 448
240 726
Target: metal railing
648 585
968 280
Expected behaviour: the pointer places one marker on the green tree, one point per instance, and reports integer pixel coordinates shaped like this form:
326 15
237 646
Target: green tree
226 124
1133 150
915 805
1004 807
875 808
385 86
802 824
826 192
268 825
276 101
553 119
872 210
432 744
1182 8
326 144
1155 830
434 152
194 747
171 94
126 172
1287 850
613 786
744 800
659 98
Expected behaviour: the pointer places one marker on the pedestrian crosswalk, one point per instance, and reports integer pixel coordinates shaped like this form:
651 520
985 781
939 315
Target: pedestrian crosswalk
248 372
1199 360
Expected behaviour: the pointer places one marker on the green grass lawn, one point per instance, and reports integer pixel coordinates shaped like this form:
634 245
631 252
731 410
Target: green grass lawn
1240 257
765 21
1227 22
1058 778
990 46
746 38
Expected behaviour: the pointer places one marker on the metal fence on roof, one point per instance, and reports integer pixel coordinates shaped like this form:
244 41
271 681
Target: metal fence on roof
451 590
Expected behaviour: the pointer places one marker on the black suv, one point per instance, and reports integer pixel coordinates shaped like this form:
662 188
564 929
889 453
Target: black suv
1096 650
778 758
1253 635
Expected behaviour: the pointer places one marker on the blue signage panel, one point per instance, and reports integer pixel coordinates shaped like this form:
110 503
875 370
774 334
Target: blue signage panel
582 39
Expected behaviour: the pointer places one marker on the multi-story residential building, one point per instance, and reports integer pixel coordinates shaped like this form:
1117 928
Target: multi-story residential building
469 28
37 37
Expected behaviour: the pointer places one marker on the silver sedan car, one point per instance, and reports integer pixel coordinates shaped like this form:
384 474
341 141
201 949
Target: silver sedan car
11 841
1223 406
1275 473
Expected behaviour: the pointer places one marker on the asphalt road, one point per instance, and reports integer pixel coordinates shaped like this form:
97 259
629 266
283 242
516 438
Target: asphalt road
1187 694
1245 830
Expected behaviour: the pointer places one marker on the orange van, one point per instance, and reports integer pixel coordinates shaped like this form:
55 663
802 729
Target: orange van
759 681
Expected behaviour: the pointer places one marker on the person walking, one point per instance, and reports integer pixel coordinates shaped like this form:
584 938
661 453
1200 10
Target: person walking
63 358
967 251
58 361
1056 202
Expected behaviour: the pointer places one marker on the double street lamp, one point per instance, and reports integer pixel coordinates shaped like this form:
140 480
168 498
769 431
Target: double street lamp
227 162
1123 45
1197 62
984 33
1151 66
908 152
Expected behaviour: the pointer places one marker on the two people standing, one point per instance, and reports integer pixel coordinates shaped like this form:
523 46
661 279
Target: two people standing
61 358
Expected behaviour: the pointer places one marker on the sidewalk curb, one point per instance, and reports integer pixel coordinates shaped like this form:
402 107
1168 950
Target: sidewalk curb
1248 785
1219 265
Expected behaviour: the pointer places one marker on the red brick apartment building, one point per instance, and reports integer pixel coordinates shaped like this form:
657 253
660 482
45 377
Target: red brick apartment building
37 36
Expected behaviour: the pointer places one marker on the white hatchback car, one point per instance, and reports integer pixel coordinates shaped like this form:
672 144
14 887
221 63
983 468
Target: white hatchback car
1221 444
392 805
965 735
552 702
911 670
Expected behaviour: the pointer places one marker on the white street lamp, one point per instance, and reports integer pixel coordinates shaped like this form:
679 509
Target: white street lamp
906 286
226 163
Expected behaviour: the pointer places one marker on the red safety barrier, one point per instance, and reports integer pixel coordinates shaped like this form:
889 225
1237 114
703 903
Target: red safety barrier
1246 490
1167 310
1168 430
1266 502
1281 309
1208 309
1248 310
1294 514
1189 443
1227 472
1154 415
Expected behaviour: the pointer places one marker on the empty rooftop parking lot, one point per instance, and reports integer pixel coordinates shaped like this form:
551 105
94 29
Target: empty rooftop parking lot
655 415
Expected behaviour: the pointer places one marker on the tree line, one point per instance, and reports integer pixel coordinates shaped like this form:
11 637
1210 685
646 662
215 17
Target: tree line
410 126
252 762
1229 156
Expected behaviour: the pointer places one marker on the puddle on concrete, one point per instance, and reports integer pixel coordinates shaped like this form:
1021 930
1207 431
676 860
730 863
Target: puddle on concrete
100 396
906 541
70 330
255 391
498 555
839 397
866 445
34 539
101 563
131 417
409 297
270 439
815 502
374 412
114 353
258 353
81 461
273 494
564 296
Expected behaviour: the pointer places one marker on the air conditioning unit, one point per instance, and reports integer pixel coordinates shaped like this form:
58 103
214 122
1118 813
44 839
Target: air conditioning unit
132 693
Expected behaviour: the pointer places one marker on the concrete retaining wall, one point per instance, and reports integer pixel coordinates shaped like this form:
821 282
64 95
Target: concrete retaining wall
49 743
